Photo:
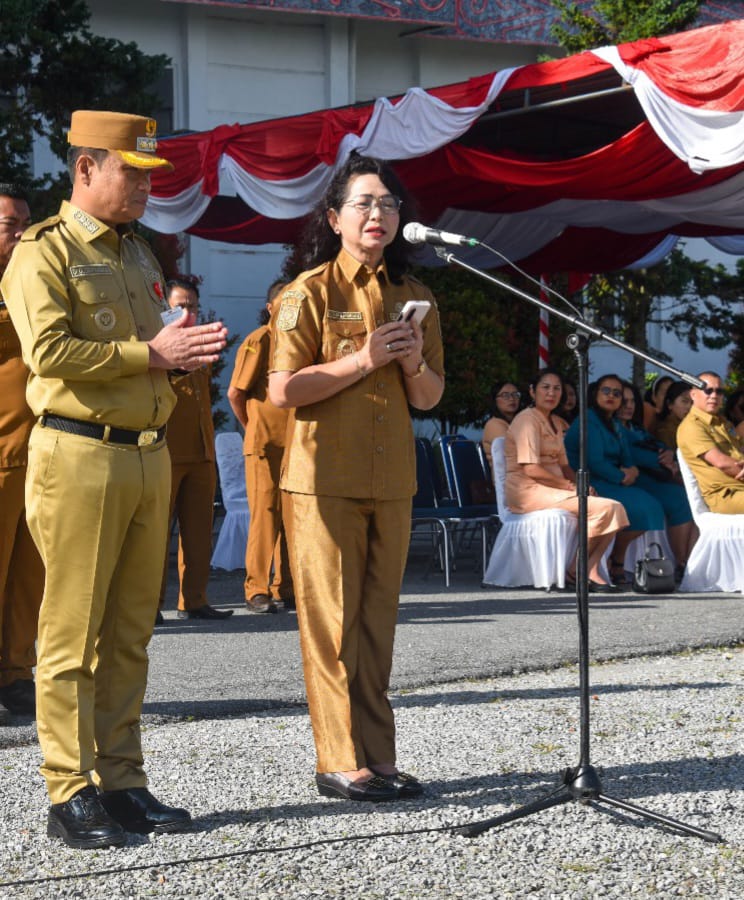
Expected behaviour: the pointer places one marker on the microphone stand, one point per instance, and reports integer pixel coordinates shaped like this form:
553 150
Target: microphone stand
582 782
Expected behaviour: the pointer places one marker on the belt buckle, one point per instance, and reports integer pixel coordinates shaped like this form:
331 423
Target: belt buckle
148 437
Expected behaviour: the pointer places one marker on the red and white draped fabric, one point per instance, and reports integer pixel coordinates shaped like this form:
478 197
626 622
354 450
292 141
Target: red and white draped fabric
680 172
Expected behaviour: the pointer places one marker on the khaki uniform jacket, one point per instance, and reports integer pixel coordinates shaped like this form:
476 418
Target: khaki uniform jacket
358 443
700 432
267 424
16 418
190 427
84 300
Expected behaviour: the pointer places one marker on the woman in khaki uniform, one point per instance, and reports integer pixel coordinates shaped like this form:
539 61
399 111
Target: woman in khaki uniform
538 476
351 370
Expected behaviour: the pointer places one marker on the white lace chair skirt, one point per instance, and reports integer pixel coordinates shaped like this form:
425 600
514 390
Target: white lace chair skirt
715 563
229 550
530 548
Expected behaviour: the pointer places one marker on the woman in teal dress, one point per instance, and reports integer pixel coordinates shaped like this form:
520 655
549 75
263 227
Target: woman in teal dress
612 469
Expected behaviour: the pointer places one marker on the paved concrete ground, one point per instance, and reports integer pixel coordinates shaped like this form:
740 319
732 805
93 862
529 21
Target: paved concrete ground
487 709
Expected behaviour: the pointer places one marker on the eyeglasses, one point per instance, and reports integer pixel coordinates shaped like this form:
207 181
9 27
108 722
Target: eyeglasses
509 395
611 392
709 390
364 203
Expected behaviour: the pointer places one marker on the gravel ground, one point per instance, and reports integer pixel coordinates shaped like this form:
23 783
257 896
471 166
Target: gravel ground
666 734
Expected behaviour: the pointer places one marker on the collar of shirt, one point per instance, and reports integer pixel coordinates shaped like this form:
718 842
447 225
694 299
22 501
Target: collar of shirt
711 419
352 267
88 227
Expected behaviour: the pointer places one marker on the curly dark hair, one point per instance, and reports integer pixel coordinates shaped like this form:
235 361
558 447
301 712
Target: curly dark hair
319 243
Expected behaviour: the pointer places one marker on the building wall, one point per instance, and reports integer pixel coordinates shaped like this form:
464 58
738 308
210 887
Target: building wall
237 65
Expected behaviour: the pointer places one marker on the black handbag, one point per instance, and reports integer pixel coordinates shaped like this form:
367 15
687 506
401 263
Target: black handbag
654 576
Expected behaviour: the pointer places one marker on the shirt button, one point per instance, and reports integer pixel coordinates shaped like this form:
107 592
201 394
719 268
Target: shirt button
102 296
379 449
381 418
380 385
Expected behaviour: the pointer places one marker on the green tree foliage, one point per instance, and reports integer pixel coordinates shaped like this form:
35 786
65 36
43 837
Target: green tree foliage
50 65
488 335
691 299
620 21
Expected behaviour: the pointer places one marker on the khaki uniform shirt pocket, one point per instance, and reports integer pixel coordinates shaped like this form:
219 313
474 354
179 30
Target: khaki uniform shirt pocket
343 337
102 313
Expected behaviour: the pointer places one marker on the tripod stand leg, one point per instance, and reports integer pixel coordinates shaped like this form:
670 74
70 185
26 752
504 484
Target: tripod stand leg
663 820
477 828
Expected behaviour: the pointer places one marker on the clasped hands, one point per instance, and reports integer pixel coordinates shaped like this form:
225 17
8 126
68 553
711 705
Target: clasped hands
186 346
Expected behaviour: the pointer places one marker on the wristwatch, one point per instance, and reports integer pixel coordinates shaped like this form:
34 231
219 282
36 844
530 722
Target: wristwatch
420 369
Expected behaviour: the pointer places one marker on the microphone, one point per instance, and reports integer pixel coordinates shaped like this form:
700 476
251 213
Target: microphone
416 233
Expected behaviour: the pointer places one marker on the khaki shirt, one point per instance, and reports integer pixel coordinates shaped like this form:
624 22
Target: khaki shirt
190 427
358 443
84 301
16 418
267 424
700 432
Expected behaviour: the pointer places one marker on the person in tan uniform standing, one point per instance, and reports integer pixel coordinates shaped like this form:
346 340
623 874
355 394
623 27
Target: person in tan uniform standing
86 298
21 569
351 369
265 427
193 473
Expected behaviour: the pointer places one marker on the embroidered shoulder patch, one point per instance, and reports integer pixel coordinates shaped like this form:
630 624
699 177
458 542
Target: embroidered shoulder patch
289 311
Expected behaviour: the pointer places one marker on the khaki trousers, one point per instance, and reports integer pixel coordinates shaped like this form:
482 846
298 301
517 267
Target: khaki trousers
266 550
99 516
192 503
21 581
348 558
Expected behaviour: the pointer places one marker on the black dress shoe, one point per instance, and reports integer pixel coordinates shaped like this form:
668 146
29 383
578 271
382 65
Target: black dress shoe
597 587
287 603
261 603
375 789
205 612
19 697
406 785
135 809
82 822
159 618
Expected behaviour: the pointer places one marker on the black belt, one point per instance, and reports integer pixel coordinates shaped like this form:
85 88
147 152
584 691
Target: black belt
99 432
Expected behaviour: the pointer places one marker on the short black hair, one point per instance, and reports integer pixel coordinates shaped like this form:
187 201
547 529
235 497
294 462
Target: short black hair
13 190
184 282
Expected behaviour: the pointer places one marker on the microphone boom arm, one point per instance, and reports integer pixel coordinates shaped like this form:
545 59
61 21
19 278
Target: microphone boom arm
580 324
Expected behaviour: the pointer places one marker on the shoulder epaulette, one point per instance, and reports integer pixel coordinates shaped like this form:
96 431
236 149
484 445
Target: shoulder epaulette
33 232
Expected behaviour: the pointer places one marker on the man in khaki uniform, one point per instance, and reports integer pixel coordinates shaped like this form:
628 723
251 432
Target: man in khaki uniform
193 474
86 298
265 427
712 449
21 569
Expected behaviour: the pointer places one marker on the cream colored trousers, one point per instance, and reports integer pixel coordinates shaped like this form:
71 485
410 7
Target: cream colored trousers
99 515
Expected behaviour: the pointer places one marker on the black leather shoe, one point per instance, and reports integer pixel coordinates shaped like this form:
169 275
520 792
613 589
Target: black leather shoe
82 822
406 785
205 612
287 603
375 789
19 697
597 587
159 620
135 809
261 603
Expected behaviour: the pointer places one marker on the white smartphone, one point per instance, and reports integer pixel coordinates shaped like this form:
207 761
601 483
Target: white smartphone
414 311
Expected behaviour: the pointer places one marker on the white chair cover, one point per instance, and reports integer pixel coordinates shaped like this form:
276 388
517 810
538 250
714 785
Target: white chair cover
531 548
229 550
715 563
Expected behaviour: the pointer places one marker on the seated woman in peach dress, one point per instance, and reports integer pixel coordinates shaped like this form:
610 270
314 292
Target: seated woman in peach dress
538 476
